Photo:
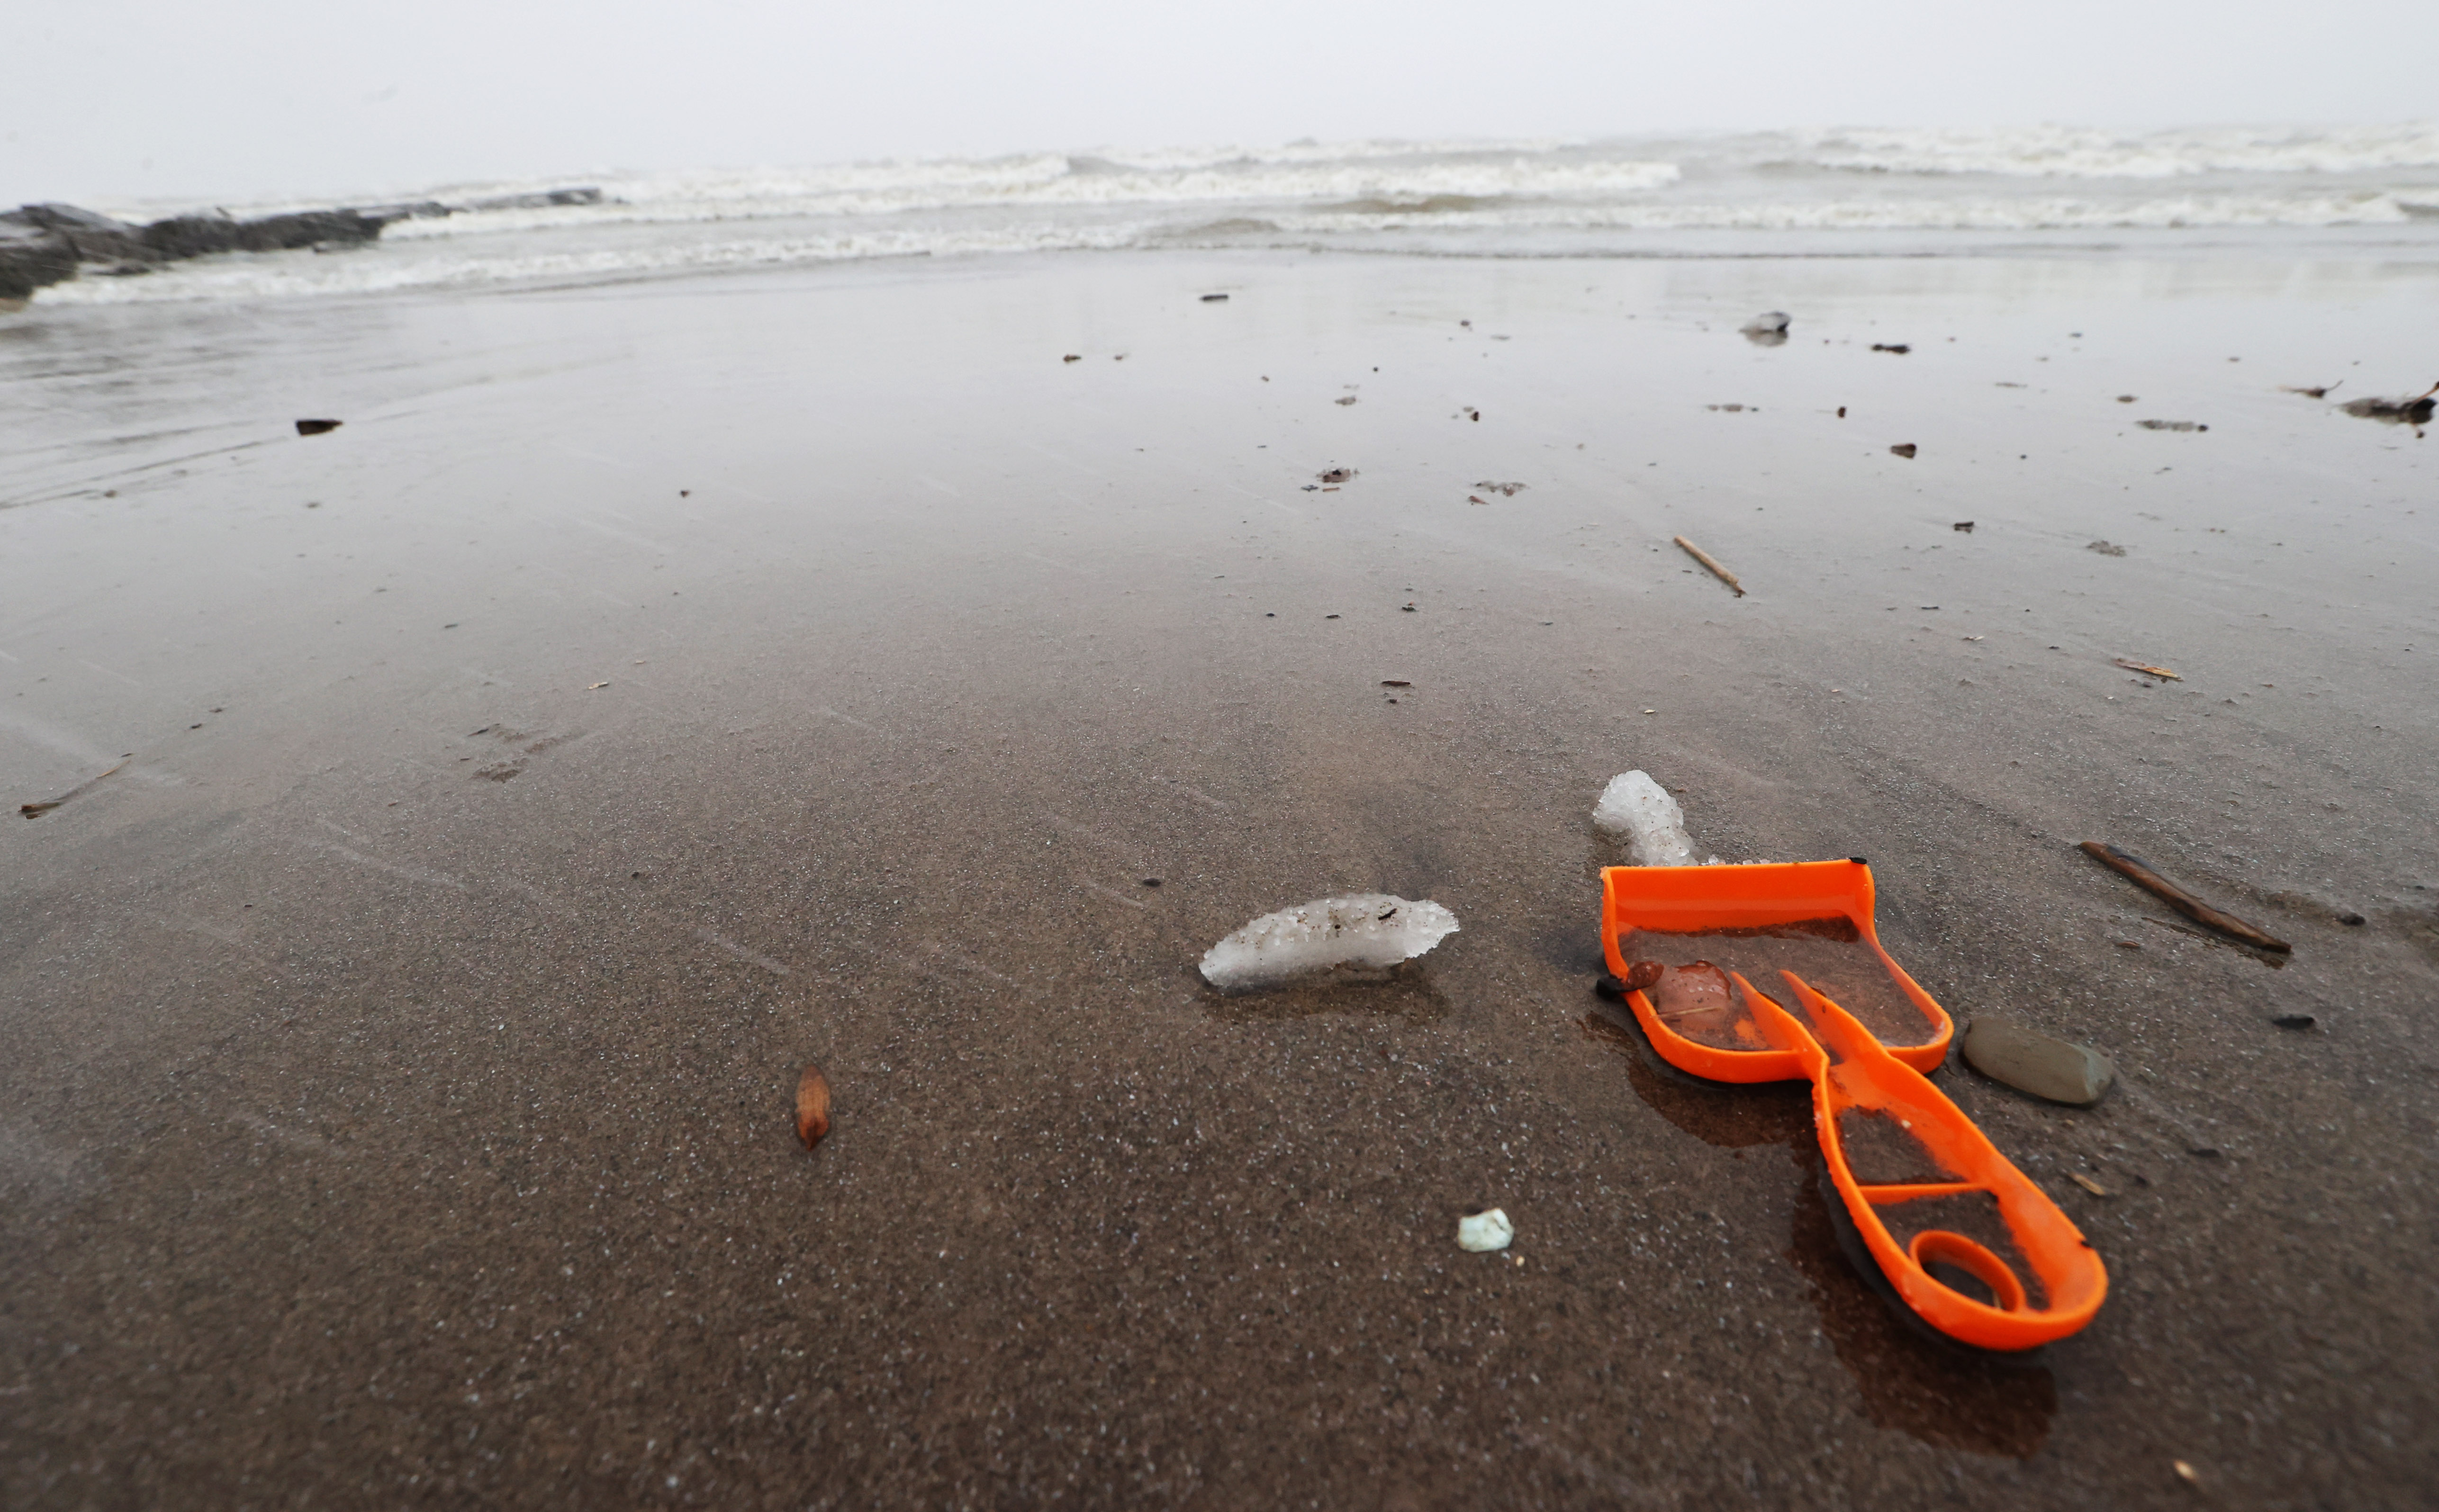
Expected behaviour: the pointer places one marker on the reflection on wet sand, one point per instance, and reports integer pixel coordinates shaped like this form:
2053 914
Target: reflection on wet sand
1732 1118
1405 991
1911 1379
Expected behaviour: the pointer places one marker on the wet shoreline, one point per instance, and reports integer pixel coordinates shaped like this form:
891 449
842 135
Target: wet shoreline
655 686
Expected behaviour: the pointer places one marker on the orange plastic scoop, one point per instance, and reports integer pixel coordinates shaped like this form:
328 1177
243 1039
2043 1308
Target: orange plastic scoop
1690 941
1927 1188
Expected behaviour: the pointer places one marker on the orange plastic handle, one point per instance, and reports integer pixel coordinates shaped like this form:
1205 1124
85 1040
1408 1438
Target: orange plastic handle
1853 1072
1688 899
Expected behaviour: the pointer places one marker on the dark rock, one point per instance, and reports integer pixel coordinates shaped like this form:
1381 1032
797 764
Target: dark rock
1966 525
196 236
192 236
2030 1061
43 243
285 233
1904 449
316 427
2415 411
96 238
2294 1021
31 256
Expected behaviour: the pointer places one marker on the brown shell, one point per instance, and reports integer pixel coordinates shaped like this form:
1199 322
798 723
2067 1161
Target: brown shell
812 1107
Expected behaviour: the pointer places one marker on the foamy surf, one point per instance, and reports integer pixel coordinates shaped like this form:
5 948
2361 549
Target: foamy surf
1885 191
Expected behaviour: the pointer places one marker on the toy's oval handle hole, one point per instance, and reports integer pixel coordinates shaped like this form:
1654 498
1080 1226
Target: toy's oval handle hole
1939 1247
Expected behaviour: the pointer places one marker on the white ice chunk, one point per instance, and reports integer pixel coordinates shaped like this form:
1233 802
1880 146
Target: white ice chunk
1484 1232
1641 813
1363 929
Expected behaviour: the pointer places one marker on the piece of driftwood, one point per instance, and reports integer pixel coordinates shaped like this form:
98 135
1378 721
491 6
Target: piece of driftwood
1717 571
2183 902
36 810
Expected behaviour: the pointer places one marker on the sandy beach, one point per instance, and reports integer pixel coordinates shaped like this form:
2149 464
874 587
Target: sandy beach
656 686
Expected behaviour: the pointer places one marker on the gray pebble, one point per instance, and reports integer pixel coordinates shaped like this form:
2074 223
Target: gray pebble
2030 1061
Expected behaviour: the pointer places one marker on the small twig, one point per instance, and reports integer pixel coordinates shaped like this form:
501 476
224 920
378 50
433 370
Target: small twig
1717 571
2148 669
2178 898
36 810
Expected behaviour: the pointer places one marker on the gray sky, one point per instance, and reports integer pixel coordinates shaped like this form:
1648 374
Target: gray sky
204 99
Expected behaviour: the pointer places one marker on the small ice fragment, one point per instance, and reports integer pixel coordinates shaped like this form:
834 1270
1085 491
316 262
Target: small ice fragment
1640 812
1363 929
1766 330
1484 1232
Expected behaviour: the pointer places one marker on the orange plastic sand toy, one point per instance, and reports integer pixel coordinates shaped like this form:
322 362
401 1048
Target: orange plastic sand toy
1926 1188
1970 1186
1774 916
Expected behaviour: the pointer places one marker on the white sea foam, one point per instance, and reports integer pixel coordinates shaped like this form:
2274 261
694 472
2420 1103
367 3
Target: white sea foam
2041 213
2082 153
1054 182
279 276
1893 190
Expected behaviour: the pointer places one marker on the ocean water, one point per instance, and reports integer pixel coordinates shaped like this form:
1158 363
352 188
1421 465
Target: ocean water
2058 190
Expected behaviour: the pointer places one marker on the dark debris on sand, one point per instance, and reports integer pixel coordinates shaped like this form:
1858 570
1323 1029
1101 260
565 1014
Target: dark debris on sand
2416 411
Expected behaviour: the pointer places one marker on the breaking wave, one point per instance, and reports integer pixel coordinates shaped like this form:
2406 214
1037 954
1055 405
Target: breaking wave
1785 190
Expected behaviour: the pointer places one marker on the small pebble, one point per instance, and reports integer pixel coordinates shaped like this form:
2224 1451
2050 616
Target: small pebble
2030 1061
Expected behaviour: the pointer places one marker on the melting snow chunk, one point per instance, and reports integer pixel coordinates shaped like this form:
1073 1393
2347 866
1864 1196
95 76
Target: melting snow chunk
1484 1232
1640 812
1363 929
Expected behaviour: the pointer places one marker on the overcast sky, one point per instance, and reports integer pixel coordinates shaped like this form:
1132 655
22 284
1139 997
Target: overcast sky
112 99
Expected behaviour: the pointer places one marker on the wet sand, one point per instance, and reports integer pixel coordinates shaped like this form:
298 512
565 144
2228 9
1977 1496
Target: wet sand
654 686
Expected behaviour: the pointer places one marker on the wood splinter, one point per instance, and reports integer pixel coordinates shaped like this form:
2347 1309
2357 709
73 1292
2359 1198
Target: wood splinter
2178 898
1717 571
2147 670
36 810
